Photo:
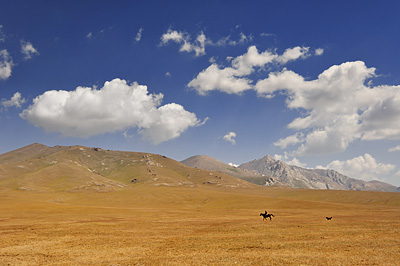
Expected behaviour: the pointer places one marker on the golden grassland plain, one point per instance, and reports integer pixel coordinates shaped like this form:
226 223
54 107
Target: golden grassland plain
147 225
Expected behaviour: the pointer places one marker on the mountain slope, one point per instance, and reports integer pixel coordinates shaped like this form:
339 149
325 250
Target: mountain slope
279 173
76 168
209 163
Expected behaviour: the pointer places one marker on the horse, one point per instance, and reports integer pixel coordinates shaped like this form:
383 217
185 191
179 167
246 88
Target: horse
329 218
265 216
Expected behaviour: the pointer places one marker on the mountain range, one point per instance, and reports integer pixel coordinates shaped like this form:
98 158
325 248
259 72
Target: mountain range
40 168
270 172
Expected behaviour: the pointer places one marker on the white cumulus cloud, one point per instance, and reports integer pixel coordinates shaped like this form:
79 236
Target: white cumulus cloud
244 64
139 35
198 45
117 106
2 35
319 51
291 54
230 137
6 64
28 50
381 120
288 159
338 107
184 39
234 79
16 100
215 78
169 122
291 140
243 38
397 148
363 167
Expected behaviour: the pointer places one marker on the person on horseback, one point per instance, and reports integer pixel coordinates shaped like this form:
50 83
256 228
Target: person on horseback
267 215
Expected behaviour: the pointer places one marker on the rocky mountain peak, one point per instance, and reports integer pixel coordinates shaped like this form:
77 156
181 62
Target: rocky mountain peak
268 159
278 173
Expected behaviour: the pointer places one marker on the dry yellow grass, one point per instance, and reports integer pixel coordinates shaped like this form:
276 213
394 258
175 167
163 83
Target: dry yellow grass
199 226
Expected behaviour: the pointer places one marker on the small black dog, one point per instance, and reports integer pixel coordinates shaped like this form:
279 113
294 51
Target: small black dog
329 218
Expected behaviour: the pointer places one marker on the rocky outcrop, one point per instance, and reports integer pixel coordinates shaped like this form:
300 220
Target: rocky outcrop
277 173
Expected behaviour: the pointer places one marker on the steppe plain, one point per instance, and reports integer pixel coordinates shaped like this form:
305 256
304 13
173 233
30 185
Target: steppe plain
203 223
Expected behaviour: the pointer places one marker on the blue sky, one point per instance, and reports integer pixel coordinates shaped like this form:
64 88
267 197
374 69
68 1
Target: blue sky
312 83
